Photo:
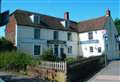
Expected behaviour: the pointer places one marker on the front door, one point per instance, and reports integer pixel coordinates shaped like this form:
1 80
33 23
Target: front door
56 50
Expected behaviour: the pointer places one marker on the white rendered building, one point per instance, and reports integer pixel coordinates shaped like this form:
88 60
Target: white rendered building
33 33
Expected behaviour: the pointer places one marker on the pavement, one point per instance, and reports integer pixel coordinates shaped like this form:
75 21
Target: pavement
111 73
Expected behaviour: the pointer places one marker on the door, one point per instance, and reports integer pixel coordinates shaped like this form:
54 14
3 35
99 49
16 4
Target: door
56 50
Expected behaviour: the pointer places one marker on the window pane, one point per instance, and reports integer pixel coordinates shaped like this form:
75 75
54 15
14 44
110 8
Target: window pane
55 35
99 49
36 33
37 19
70 49
36 50
91 49
69 36
90 35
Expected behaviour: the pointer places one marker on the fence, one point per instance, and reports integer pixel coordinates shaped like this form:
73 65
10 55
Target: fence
59 66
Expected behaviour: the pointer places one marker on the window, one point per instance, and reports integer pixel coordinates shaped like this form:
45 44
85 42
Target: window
37 19
70 49
55 35
91 49
37 50
99 49
36 33
69 36
90 35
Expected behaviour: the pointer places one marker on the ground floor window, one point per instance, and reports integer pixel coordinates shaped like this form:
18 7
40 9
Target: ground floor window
70 49
91 49
37 50
99 49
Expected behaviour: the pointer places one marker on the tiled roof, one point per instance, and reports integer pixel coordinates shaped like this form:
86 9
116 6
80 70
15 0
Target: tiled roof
50 22
23 18
93 24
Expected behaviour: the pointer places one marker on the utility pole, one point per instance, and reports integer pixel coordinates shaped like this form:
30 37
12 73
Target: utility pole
4 16
0 5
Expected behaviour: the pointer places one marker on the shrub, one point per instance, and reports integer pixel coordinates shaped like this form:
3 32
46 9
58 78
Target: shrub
48 56
6 45
15 60
70 59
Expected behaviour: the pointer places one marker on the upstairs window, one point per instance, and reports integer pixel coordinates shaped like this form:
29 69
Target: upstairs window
55 35
91 49
36 33
90 35
70 49
37 19
69 36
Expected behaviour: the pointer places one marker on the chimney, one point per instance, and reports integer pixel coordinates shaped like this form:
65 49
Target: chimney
108 13
66 17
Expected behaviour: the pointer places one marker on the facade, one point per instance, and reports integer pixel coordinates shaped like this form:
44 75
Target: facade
34 33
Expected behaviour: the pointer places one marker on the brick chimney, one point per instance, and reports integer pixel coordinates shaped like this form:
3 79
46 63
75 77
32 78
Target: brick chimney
108 13
66 17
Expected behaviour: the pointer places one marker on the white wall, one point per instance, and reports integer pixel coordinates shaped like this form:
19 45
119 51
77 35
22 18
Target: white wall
97 35
26 41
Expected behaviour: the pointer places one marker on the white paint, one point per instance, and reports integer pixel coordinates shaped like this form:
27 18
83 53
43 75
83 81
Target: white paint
32 18
63 23
97 35
26 40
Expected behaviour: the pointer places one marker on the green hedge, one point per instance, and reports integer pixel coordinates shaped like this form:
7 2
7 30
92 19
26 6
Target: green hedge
16 60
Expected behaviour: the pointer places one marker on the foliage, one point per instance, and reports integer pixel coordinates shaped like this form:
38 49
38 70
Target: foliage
48 56
5 45
70 59
117 24
15 60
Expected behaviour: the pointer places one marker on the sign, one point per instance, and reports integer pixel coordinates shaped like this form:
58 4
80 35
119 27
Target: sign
89 41
55 42
4 18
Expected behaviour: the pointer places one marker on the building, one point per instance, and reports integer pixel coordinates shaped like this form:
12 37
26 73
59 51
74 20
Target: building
33 33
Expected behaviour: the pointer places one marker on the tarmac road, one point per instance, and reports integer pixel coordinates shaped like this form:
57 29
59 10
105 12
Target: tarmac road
110 73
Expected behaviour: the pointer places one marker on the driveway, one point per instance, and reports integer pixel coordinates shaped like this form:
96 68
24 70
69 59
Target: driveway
110 73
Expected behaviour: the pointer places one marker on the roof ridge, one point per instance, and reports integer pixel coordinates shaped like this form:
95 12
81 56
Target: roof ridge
17 10
91 19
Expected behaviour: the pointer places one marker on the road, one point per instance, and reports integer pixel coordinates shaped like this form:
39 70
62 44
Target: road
110 73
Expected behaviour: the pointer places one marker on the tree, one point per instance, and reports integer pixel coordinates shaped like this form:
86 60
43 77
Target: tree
117 24
5 45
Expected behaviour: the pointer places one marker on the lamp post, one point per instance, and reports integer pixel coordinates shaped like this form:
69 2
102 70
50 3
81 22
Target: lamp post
106 46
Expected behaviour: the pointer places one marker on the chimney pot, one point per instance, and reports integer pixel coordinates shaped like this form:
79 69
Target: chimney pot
108 13
66 15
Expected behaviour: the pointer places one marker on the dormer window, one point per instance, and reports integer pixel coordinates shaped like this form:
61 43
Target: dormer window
37 19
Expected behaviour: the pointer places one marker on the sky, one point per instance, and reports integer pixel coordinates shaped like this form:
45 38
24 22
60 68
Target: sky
79 9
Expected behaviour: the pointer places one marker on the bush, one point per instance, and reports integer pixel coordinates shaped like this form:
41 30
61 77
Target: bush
48 56
15 60
6 45
70 59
